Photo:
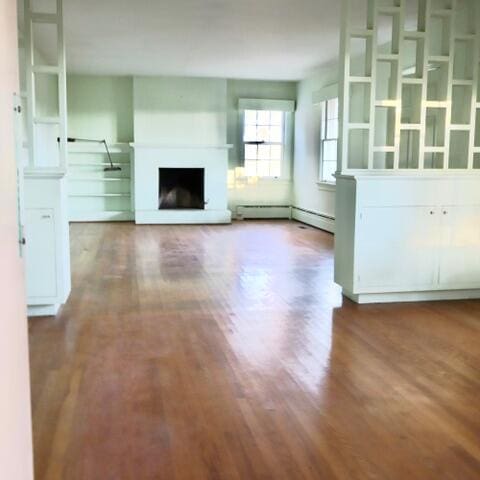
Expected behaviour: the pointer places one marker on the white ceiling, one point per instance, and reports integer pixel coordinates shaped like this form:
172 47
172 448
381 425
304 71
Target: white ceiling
261 39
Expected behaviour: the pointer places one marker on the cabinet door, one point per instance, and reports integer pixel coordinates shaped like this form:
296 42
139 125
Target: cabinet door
397 248
41 271
460 253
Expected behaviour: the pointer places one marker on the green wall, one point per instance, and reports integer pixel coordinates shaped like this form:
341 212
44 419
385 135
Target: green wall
100 107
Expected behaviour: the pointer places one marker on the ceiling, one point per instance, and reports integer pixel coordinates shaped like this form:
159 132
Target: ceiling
261 39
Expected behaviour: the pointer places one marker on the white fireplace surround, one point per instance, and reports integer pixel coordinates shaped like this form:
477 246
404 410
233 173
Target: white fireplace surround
147 159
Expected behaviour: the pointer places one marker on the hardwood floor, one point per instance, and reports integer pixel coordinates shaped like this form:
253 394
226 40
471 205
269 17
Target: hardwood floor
226 352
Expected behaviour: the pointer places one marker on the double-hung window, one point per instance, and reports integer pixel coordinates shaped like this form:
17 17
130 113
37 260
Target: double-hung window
264 142
328 140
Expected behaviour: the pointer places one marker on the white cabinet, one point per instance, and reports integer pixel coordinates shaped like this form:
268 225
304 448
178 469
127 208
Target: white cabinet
47 248
408 238
402 252
40 254
460 241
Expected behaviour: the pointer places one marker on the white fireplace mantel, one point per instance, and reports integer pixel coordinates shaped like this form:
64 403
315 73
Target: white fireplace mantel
148 158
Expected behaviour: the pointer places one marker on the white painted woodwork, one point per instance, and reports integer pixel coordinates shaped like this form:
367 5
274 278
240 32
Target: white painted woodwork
148 159
408 237
40 255
47 241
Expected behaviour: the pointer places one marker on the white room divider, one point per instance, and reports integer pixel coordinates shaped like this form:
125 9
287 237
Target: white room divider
408 180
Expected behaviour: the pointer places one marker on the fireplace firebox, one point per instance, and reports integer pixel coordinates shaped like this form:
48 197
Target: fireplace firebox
181 188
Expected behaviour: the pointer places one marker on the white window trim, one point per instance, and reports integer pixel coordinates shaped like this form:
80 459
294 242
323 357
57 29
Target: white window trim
318 97
288 108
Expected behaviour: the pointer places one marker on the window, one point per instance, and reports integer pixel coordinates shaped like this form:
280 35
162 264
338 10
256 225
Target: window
329 140
263 138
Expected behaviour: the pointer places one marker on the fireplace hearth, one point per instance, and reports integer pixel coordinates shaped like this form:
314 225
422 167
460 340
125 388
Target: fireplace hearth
181 188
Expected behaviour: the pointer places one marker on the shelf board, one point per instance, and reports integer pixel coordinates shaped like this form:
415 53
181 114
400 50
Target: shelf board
47 120
99 195
96 164
387 103
385 149
359 126
438 58
411 126
88 179
53 70
412 81
360 79
361 33
460 127
388 57
436 104
44 18
466 83
434 149
413 35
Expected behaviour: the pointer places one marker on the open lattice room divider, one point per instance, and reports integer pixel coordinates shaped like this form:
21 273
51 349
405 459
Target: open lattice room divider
410 93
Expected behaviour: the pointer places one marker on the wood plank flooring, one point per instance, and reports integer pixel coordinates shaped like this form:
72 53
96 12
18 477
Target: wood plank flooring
227 352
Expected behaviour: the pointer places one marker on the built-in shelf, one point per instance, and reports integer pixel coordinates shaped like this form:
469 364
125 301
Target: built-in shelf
438 59
359 126
413 35
90 179
359 33
410 126
99 194
387 103
412 81
388 57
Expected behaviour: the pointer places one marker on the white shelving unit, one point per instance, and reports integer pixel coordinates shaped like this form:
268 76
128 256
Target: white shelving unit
431 72
408 181
96 195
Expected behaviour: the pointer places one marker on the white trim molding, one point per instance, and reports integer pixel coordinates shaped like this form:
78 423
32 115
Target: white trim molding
287 106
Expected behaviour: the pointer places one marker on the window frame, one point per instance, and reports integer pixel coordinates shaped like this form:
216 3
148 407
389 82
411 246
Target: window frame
324 138
268 143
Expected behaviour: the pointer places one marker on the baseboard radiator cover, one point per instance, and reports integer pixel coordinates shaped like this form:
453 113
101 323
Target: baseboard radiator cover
262 211
315 219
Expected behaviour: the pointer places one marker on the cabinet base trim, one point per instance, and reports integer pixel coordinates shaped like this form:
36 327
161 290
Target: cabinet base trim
364 298
43 310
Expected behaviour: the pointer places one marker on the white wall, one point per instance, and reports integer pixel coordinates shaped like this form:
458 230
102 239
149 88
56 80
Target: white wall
307 193
15 417
244 191
180 111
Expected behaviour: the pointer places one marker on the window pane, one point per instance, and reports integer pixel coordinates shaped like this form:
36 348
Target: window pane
250 133
263 117
263 168
332 128
251 168
330 150
263 133
276 118
251 152
276 134
328 170
275 168
276 152
250 117
264 152
332 110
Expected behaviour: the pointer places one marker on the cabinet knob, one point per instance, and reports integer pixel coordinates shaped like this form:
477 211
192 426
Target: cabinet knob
46 216
432 212
445 212
23 241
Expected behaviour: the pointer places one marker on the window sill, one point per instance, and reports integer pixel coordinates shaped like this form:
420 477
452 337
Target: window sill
328 186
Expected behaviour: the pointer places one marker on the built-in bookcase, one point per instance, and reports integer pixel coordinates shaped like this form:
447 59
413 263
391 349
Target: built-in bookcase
410 95
45 85
93 193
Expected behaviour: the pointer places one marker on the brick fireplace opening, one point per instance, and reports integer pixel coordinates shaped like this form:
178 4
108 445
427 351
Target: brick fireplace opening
181 188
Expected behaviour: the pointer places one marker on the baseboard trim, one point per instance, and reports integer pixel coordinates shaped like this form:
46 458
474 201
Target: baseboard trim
43 310
366 298
315 219
180 217
101 216
262 211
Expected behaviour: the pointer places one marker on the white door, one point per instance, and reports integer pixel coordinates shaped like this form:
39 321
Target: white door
397 248
460 253
40 254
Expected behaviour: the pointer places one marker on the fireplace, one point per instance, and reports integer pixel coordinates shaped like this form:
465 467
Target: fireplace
181 188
